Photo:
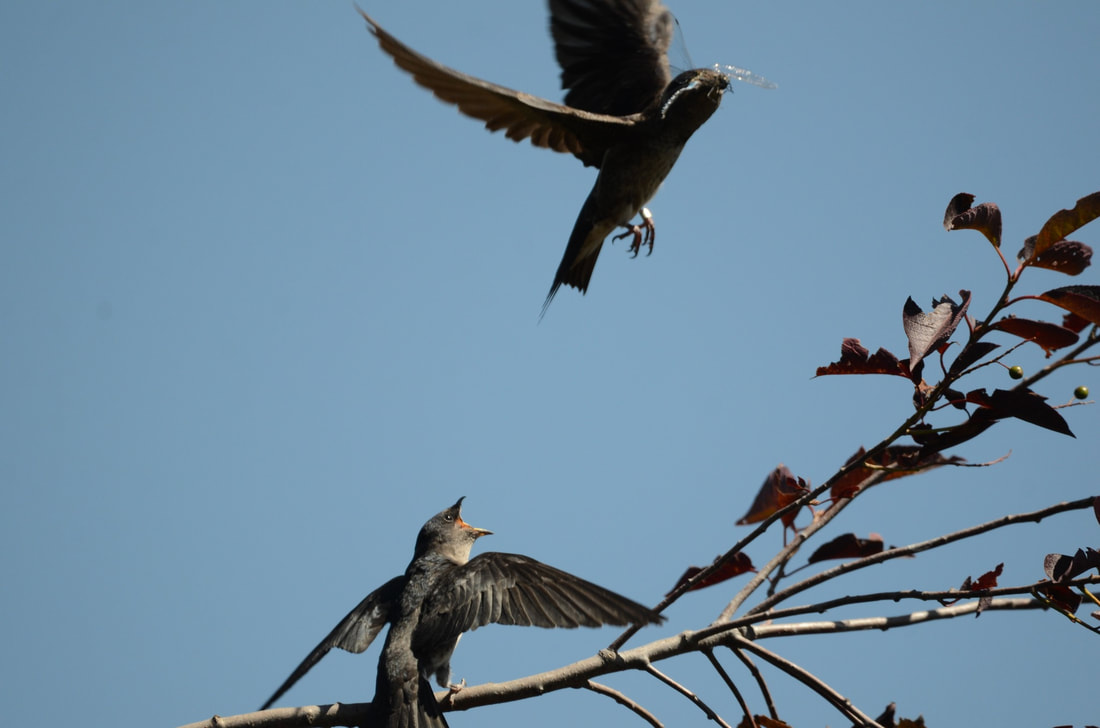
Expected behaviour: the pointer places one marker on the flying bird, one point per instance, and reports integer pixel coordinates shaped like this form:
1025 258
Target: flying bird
624 113
444 593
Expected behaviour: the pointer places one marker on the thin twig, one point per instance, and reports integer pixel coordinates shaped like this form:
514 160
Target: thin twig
755 671
808 679
621 699
733 687
687 694
949 595
837 626
1030 517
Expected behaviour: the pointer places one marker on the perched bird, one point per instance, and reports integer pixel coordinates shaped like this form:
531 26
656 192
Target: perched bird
444 593
625 114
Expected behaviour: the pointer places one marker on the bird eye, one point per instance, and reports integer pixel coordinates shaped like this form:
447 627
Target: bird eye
449 518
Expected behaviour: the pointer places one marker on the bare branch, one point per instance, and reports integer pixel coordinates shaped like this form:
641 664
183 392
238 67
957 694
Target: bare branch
621 699
819 686
733 687
755 671
884 623
687 694
1031 517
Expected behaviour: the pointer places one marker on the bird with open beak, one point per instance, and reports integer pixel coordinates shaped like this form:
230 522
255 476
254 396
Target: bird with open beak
444 593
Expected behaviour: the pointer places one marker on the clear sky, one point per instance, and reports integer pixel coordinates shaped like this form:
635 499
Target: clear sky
266 306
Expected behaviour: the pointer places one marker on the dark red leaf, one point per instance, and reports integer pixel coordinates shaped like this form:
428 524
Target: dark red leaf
927 331
959 204
1050 337
780 488
847 546
932 442
736 565
1064 222
972 354
1028 406
1019 403
1062 596
1096 508
856 359
1064 256
899 460
985 218
1073 322
887 719
1081 300
988 580
955 398
1060 568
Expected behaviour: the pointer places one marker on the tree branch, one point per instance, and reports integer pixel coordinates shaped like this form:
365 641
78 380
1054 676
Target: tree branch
621 699
1033 517
819 686
695 699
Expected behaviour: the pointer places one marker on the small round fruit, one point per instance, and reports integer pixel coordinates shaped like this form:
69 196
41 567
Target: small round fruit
1081 392
1016 372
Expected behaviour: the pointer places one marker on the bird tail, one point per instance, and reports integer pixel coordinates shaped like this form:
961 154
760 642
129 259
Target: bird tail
428 713
579 259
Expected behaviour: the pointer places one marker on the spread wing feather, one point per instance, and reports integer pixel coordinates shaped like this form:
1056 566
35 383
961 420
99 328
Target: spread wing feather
520 115
613 53
517 590
354 633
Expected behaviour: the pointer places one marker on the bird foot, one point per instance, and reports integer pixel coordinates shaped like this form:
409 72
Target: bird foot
636 231
453 690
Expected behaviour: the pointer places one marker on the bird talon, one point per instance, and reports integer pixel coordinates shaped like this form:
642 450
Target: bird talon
636 244
453 690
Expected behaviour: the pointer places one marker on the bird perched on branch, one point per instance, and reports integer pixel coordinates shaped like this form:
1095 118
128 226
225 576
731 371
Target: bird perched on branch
444 593
624 113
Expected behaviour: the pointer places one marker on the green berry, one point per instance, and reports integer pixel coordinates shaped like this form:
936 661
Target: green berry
1016 372
1081 392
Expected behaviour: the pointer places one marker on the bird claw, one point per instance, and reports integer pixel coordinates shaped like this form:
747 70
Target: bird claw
636 231
453 690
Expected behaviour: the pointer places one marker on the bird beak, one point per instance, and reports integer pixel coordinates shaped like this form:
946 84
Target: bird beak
478 532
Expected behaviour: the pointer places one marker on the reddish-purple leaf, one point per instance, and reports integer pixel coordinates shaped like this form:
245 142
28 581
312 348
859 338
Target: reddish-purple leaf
1060 568
928 331
856 359
1050 337
1061 596
1064 256
932 442
886 720
988 580
985 218
736 565
847 546
958 204
1081 300
1064 222
1073 322
780 488
898 460
1022 404
971 354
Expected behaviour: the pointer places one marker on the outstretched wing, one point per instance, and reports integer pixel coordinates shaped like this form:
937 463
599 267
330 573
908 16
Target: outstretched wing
354 633
521 116
513 589
613 53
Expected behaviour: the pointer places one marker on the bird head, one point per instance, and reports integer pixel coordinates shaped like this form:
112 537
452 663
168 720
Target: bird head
448 535
693 96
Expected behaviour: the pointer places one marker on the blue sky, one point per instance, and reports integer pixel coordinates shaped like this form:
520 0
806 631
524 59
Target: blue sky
267 306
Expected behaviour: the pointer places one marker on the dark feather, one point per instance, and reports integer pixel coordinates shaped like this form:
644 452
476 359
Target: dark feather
354 633
522 116
613 53
517 590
